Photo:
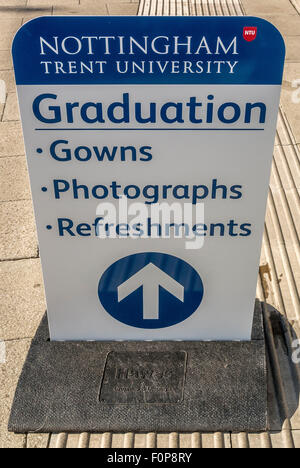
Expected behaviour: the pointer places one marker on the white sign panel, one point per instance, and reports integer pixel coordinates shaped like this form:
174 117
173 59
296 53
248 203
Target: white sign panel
149 144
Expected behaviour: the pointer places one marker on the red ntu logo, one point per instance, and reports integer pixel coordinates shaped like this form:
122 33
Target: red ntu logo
250 33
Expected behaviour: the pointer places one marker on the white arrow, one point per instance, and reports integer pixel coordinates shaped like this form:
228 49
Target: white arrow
151 278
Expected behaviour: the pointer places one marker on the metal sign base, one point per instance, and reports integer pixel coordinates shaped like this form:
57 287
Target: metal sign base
143 386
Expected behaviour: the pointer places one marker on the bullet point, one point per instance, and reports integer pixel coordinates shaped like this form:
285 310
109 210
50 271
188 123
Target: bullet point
39 150
49 227
44 189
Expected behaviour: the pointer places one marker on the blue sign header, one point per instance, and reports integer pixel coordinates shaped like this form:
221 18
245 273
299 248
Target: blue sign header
148 50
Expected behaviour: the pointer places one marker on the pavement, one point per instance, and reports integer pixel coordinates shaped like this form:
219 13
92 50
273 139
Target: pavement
22 302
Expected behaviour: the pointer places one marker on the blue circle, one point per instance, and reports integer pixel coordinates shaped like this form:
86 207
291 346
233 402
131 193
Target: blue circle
171 309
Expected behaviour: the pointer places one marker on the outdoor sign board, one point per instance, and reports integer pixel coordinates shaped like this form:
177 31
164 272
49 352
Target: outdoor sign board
149 144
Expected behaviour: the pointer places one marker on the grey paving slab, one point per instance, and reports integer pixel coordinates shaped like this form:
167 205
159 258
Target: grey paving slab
284 135
93 9
96 3
215 441
296 438
37 441
275 440
120 9
16 3
289 172
1 110
11 111
148 440
22 303
258 7
17 231
32 15
19 12
290 97
5 60
8 77
288 25
292 48
296 5
11 139
9 24
287 163
8 28
9 374
14 179
49 3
